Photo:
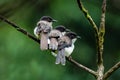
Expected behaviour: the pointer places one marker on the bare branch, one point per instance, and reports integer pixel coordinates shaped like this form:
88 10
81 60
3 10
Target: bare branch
89 18
101 41
18 28
33 38
102 32
82 66
111 70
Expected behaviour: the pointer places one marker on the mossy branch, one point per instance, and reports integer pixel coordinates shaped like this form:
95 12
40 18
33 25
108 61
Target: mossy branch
101 41
102 32
89 18
36 40
99 35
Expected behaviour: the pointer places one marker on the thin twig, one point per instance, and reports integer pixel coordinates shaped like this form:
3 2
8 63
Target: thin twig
89 18
18 28
33 38
82 66
111 70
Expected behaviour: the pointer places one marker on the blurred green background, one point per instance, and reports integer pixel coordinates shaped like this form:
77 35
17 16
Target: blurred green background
21 58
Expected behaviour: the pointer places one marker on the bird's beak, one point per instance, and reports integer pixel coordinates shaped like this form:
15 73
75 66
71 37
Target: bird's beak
68 30
54 20
79 37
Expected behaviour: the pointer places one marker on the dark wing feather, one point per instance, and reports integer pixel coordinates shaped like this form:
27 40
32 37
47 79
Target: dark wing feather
63 46
64 42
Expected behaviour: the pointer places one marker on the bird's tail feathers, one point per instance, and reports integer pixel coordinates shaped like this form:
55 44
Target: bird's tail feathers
44 41
53 44
61 57
58 58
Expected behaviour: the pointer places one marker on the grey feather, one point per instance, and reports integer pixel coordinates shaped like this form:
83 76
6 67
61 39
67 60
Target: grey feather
43 30
58 58
53 44
53 36
44 41
61 57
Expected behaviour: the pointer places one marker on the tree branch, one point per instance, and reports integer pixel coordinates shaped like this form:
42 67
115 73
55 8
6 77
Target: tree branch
33 38
102 32
89 18
101 41
82 66
18 28
111 70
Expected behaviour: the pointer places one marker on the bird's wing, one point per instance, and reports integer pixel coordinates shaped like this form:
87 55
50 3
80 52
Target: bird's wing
64 42
63 46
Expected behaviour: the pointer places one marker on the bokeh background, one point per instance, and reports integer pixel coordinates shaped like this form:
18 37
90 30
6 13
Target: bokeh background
21 58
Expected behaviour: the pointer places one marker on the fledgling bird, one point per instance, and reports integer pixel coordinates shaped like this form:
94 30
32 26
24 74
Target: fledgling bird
41 31
54 34
65 47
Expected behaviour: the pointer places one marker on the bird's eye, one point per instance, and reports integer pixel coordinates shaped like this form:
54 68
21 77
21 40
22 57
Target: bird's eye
49 20
72 36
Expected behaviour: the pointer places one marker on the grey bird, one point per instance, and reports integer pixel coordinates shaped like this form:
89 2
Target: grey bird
41 31
65 47
56 33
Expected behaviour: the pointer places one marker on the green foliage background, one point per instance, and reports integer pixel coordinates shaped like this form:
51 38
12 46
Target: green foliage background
21 58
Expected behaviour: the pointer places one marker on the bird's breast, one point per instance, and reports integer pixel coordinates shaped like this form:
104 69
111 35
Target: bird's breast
35 32
69 50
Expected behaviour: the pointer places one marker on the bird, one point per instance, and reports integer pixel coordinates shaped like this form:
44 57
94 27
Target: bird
65 47
54 34
43 28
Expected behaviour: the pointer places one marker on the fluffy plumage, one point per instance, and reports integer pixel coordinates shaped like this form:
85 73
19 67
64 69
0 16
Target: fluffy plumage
44 26
65 47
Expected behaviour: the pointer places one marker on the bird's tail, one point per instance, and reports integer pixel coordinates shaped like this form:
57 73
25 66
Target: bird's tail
44 41
60 58
53 44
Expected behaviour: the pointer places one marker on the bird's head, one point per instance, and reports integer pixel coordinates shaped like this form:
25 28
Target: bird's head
48 19
72 35
61 28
